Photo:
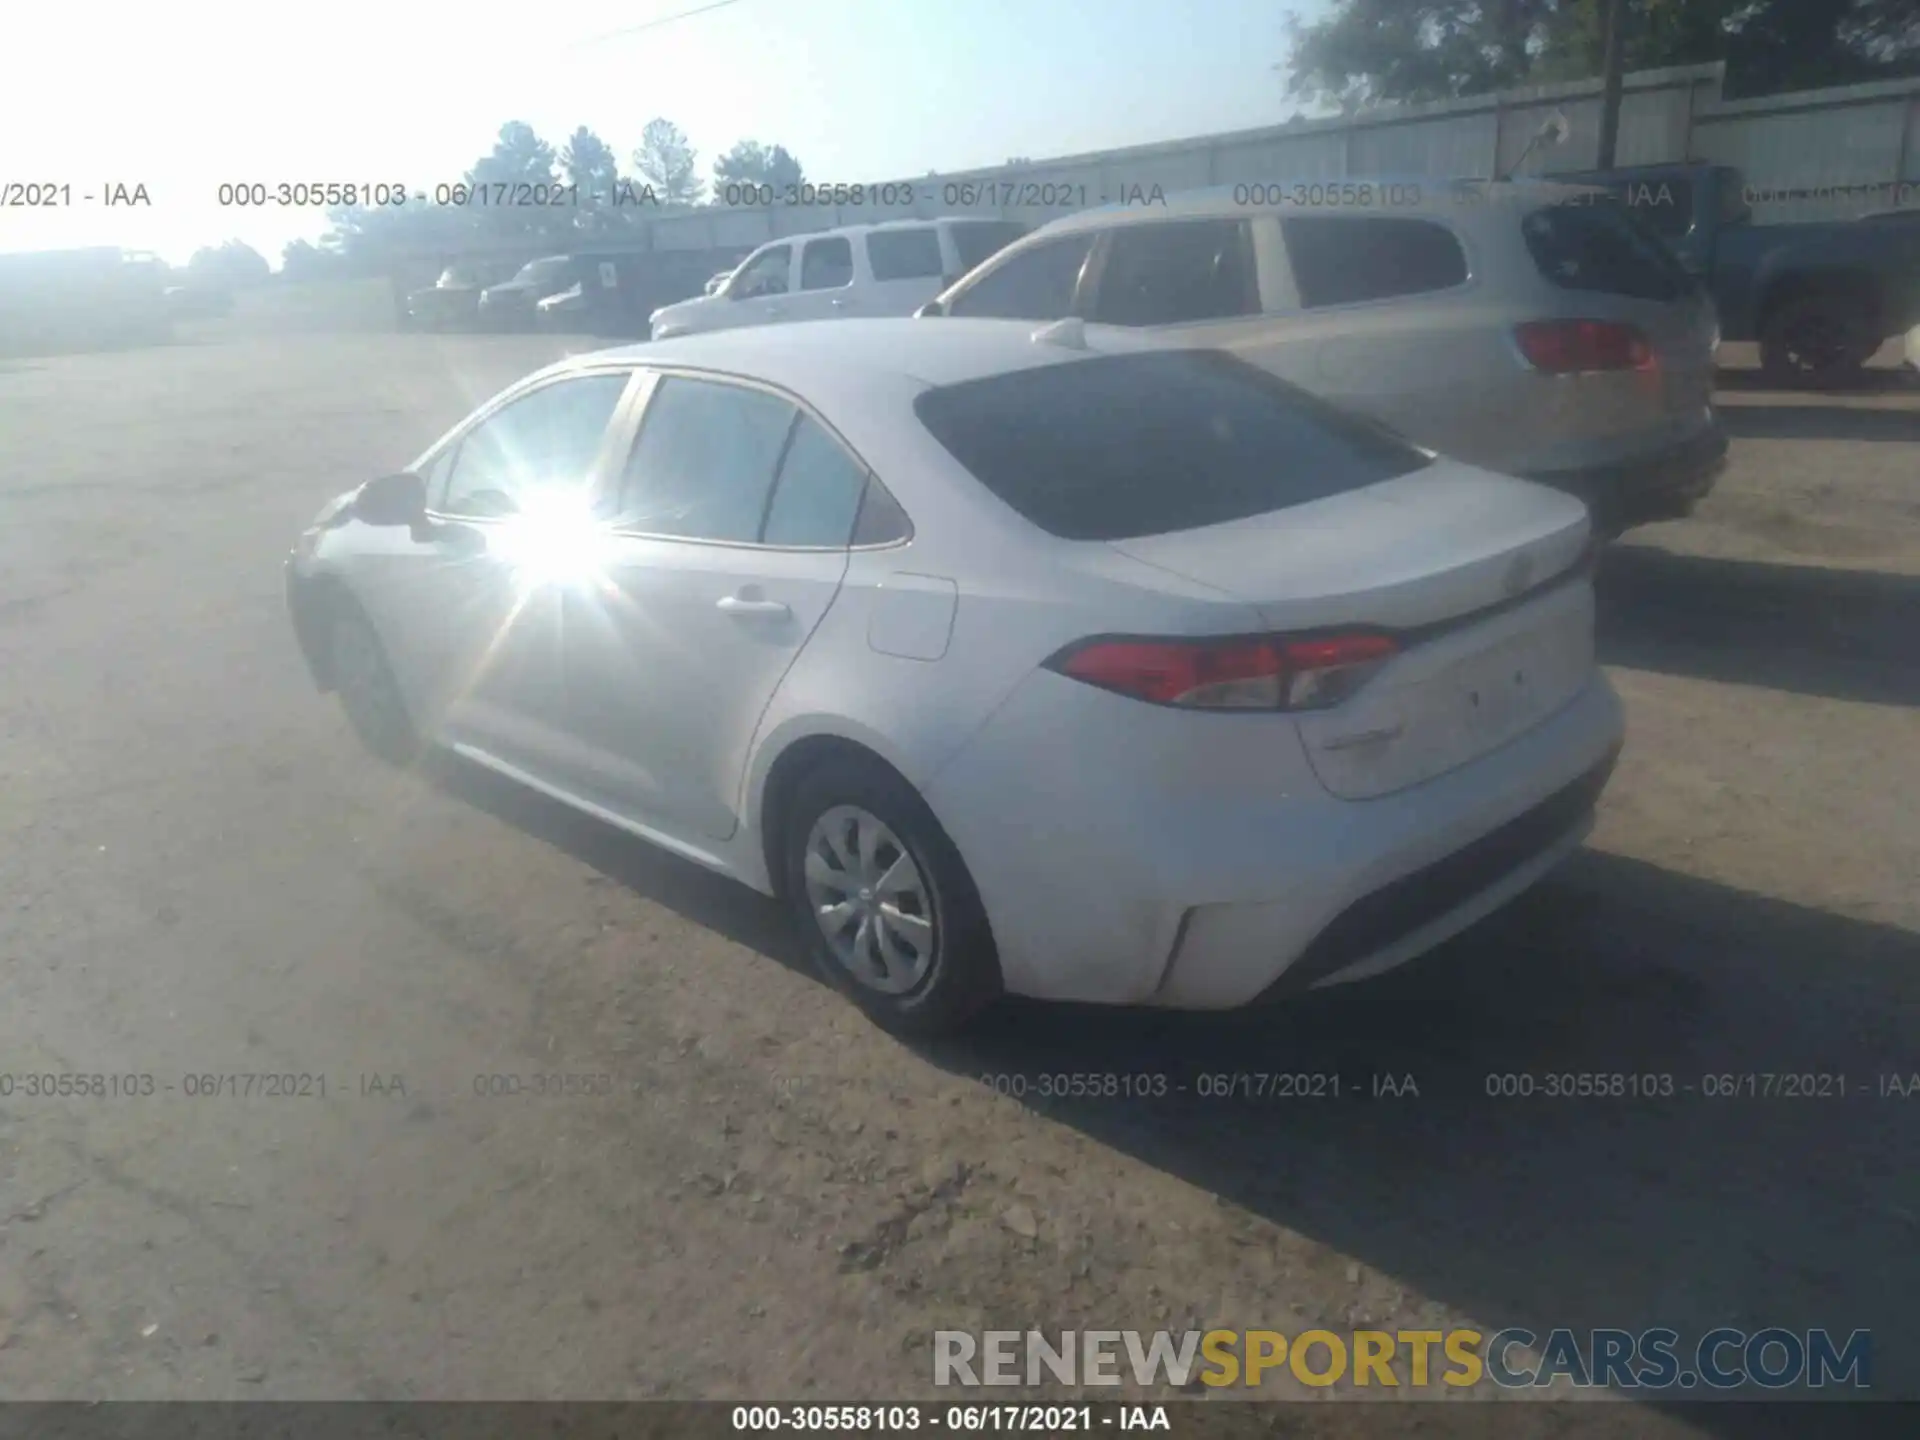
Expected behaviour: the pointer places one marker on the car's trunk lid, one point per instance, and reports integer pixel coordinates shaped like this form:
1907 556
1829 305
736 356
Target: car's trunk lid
1462 565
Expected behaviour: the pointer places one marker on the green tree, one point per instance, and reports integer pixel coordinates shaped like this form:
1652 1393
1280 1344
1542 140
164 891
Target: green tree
666 161
1367 51
304 260
233 264
751 163
589 162
519 158
593 170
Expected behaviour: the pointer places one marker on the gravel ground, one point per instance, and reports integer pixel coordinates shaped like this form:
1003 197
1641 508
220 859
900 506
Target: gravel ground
200 874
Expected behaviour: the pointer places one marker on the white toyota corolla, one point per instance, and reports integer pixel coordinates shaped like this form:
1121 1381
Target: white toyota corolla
1048 662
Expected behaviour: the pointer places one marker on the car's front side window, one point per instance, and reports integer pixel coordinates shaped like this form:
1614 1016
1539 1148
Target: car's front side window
1037 284
541 443
704 462
765 274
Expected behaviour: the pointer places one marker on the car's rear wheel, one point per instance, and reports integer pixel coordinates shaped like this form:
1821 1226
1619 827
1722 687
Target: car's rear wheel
369 694
885 906
1816 340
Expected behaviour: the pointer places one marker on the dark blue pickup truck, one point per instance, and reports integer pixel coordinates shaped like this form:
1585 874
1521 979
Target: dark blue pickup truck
1820 297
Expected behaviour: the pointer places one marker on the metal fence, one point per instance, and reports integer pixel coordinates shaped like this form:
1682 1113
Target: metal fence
1851 149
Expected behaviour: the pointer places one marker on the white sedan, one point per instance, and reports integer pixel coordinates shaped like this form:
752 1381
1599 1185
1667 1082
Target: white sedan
1049 662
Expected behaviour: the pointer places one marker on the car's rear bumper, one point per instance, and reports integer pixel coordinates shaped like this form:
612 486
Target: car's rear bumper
1664 485
1133 867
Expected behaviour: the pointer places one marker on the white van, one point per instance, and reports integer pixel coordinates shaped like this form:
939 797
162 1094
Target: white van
890 268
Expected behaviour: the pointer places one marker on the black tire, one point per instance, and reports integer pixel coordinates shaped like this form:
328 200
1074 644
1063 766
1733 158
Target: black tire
962 973
374 704
1818 341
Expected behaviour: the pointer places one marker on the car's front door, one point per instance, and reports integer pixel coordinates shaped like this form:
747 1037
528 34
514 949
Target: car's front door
468 604
734 514
760 292
828 288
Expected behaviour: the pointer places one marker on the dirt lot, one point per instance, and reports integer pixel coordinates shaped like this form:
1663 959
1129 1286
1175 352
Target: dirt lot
200 874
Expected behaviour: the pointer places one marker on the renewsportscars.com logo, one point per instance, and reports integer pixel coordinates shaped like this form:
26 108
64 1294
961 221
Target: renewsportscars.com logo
1655 1359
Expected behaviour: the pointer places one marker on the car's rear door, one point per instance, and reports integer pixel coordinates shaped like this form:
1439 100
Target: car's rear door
906 268
1192 282
731 524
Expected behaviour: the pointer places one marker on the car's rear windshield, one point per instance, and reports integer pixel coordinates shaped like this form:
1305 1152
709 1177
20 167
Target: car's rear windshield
1593 244
1121 446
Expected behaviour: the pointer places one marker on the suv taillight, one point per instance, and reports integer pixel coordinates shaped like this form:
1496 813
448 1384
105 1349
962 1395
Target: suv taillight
1568 347
1257 673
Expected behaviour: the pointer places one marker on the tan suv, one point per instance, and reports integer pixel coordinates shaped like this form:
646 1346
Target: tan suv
1531 328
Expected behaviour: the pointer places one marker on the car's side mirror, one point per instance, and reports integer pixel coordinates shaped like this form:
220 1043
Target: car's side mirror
399 499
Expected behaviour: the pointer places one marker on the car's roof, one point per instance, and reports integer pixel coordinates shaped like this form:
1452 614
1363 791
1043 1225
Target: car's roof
813 358
909 222
1434 194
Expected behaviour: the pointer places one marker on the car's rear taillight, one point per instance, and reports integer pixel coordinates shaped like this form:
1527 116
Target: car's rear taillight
1268 672
1567 347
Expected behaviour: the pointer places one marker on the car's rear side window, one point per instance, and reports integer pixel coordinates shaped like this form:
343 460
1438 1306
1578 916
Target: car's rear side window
904 254
1122 446
1177 272
976 240
1340 260
1591 244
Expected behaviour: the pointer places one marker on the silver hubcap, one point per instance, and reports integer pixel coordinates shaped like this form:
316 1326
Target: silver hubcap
869 900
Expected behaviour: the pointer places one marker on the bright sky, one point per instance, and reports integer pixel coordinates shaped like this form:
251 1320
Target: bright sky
183 97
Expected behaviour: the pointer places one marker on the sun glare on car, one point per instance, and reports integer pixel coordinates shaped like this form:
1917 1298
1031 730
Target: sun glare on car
553 540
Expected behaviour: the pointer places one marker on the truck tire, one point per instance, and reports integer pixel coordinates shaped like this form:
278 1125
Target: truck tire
1819 341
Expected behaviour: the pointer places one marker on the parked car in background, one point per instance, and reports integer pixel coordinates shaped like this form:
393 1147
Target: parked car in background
1820 297
452 302
615 290
198 300
1530 328
568 309
889 268
513 304
827 597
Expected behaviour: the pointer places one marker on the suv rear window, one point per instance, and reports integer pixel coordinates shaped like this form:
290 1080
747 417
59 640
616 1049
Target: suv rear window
1122 446
1594 245
1664 206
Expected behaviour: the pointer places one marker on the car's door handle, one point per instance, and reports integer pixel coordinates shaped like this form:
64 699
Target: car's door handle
776 309
838 304
740 605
